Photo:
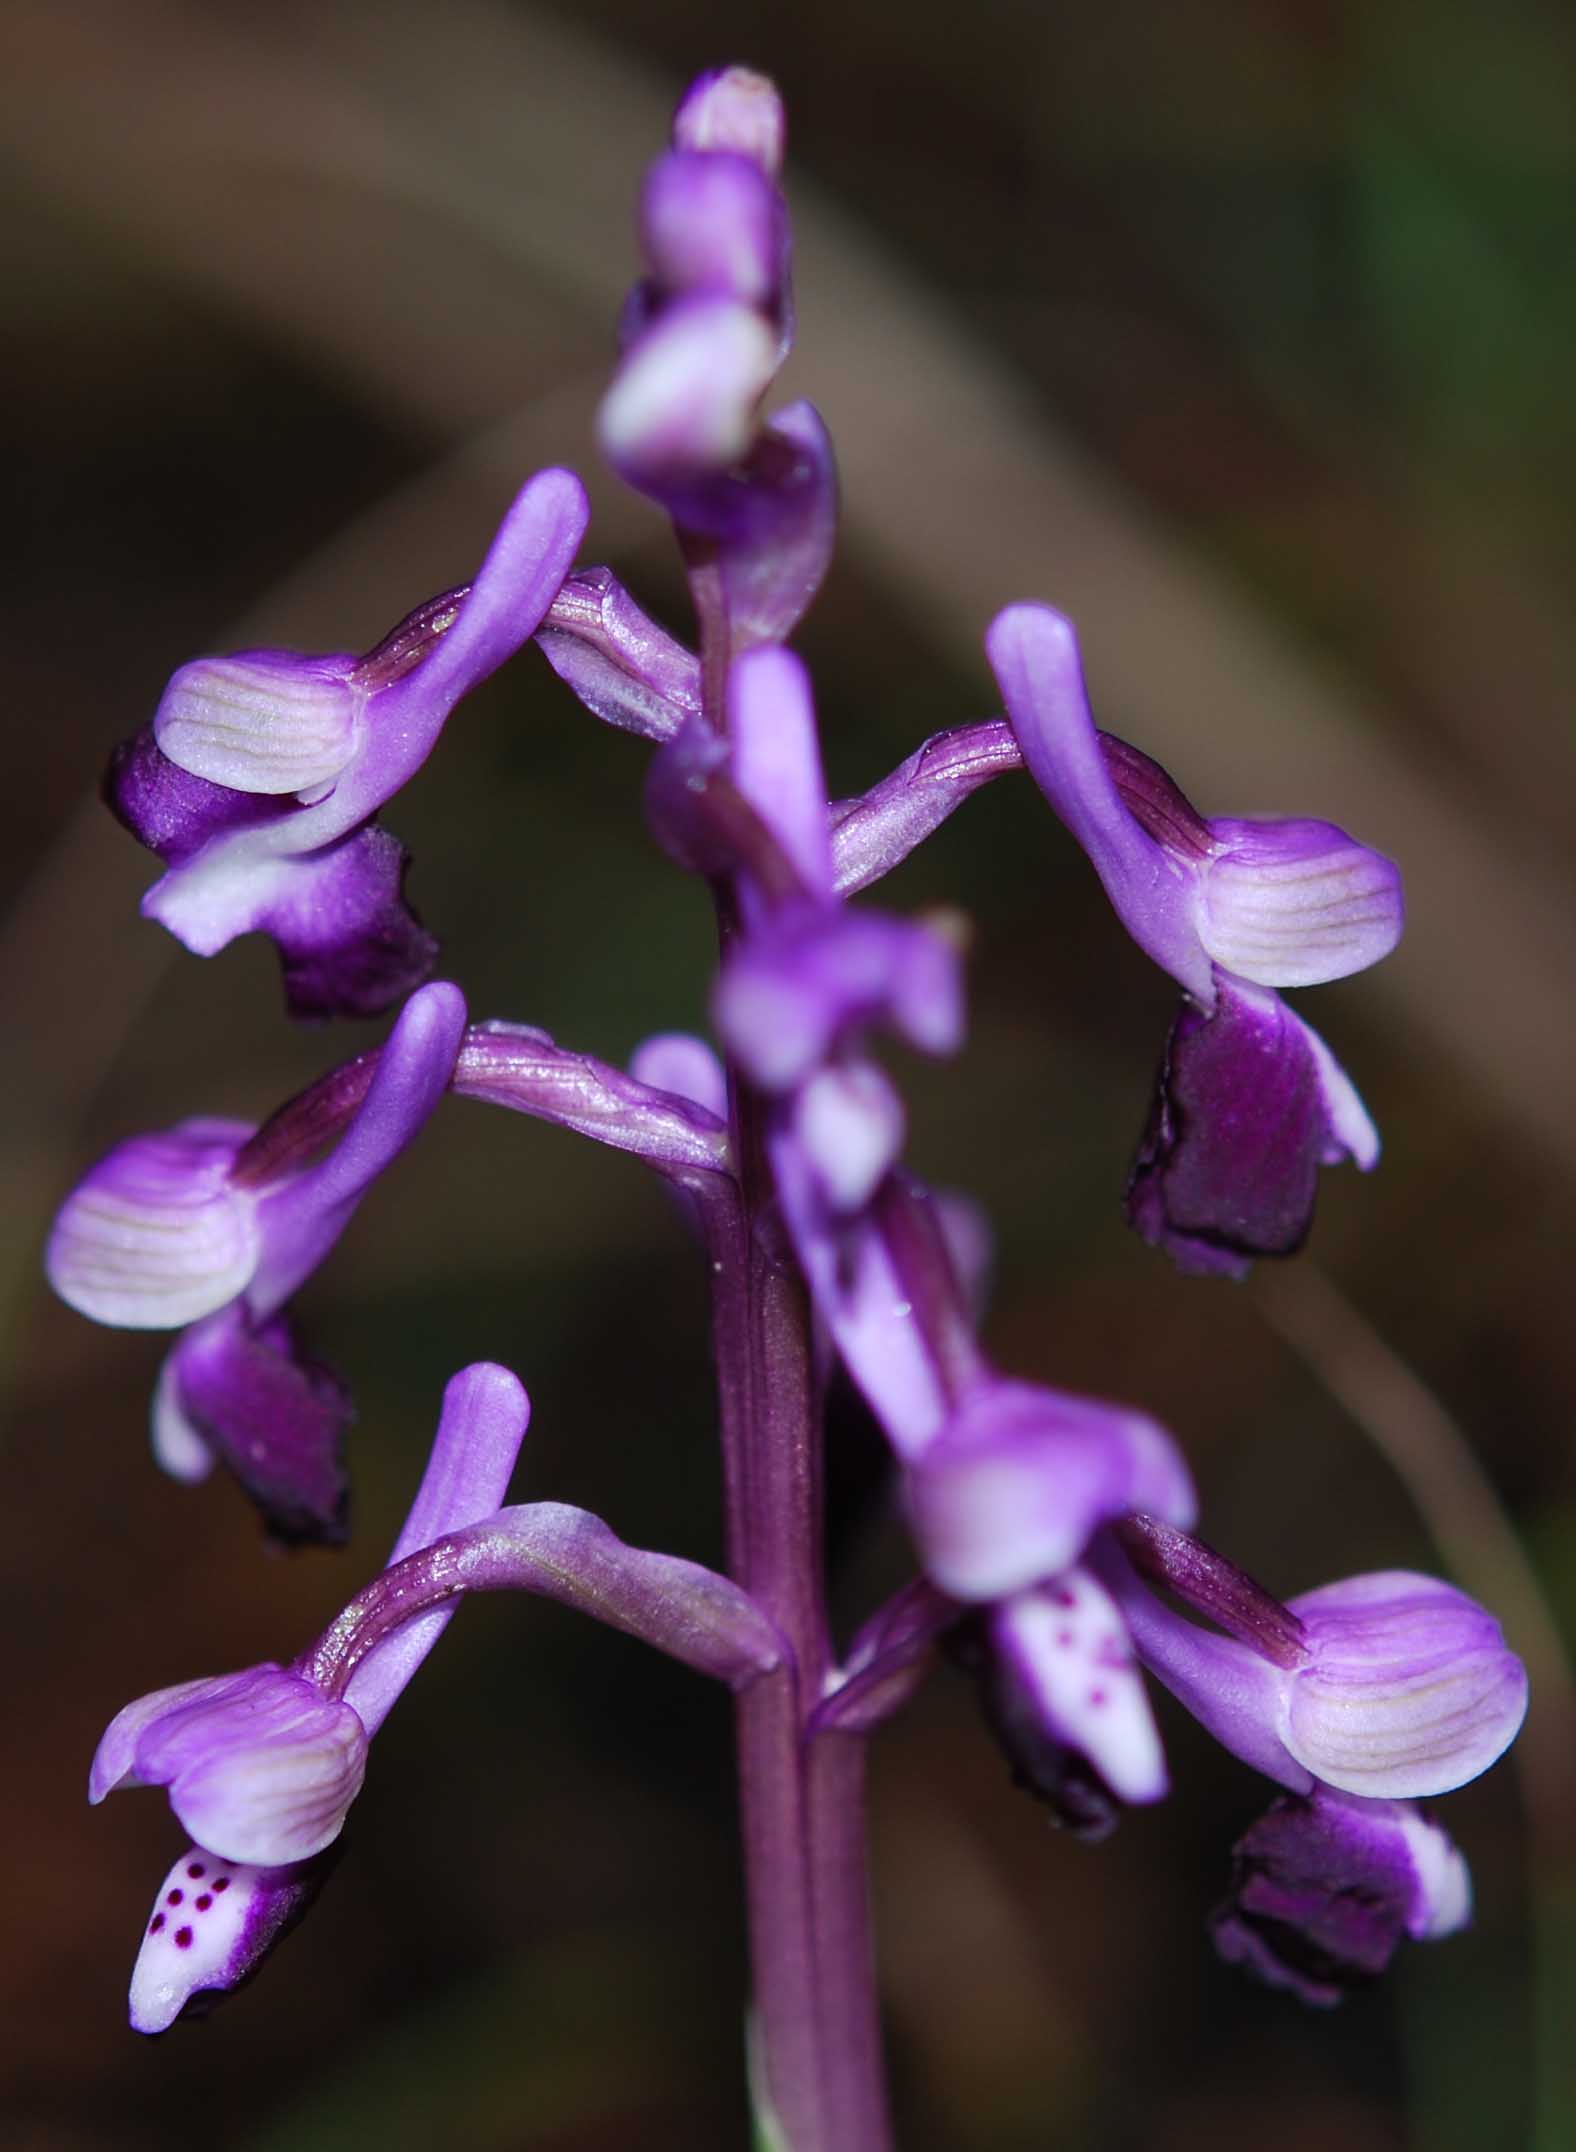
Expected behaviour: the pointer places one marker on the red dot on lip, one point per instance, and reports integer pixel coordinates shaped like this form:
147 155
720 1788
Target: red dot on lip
196 1869
183 1939
156 1924
205 1901
175 1897
221 1882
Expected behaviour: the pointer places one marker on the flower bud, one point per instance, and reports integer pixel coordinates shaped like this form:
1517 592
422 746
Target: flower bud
733 109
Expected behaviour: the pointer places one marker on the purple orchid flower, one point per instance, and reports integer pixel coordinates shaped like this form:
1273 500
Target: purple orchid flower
1360 1698
212 1226
1251 1102
263 1766
259 778
1391 1687
215 1919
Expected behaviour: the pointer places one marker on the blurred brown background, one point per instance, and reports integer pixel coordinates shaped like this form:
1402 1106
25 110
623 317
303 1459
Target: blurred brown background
1243 331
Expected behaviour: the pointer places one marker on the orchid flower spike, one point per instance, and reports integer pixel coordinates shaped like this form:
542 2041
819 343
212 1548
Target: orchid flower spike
261 1767
212 1226
259 779
1251 1102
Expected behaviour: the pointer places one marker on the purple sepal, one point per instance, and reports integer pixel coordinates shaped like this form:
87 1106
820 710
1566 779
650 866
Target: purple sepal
1248 1106
1019 1479
811 973
1065 1659
1323 1890
348 942
303 1216
274 1417
626 669
776 525
260 1766
483 1422
1283 903
1034 653
168 809
212 1924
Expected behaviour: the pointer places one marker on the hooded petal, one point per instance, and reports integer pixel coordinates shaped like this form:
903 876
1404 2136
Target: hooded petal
1016 1484
266 721
260 1765
682 407
811 973
1295 903
1410 1688
156 1236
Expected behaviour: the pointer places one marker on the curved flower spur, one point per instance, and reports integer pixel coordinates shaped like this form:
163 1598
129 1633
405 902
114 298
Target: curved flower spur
1042 1521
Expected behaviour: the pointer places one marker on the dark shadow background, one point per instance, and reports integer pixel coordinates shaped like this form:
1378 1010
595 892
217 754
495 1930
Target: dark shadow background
1243 331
